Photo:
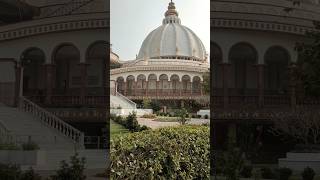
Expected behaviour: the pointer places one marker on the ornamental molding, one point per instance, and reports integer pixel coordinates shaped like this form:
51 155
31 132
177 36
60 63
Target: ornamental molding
158 68
34 30
258 25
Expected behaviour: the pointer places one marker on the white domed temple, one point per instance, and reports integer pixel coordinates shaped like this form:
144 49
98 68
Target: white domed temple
170 64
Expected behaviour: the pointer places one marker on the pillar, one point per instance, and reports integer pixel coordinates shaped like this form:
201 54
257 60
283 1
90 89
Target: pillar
125 88
18 87
49 69
293 84
225 78
83 70
261 84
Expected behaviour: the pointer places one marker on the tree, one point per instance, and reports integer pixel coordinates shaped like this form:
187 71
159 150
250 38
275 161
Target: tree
183 116
308 64
146 103
302 126
132 123
206 82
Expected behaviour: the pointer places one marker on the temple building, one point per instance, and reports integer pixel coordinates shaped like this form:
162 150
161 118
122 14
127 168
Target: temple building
170 64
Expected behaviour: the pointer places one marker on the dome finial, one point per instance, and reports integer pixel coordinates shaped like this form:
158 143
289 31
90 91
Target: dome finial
171 9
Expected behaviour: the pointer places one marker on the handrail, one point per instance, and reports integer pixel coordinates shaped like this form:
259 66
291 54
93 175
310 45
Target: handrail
6 137
63 9
52 121
127 99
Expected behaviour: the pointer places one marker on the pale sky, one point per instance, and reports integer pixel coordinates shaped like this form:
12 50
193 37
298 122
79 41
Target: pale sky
132 20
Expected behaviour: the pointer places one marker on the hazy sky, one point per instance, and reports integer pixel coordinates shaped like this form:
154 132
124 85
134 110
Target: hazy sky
132 20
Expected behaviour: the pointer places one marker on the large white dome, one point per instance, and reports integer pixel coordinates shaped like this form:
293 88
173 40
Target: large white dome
172 40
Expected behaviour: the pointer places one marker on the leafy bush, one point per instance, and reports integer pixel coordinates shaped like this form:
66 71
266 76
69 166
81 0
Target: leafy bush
132 123
165 153
30 175
9 147
74 171
267 173
284 173
198 116
12 172
206 116
166 119
146 103
155 106
149 116
308 174
29 146
183 116
9 172
246 172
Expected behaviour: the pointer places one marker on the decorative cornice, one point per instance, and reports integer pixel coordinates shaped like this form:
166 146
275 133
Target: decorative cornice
257 25
157 68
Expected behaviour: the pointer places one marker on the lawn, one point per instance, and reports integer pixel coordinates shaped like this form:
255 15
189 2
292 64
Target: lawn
116 128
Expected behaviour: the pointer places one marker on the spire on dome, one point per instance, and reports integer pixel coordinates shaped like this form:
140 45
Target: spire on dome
171 10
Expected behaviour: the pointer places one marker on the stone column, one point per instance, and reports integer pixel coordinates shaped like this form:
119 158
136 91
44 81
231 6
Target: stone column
225 78
83 91
135 88
18 87
260 74
293 85
125 88
157 88
49 69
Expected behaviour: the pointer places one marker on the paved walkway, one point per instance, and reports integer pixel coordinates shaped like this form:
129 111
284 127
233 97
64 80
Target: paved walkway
156 124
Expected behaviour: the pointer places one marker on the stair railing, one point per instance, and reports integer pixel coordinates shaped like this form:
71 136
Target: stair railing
6 137
127 100
52 121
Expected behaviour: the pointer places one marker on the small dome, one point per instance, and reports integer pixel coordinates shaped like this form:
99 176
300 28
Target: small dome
172 40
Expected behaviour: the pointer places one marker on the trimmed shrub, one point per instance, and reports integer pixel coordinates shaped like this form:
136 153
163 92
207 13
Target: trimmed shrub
246 172
149 116
72 171
9 172
132 123
308 173
284 173
198 116
165 153
206 116
29 146
30 175
267 173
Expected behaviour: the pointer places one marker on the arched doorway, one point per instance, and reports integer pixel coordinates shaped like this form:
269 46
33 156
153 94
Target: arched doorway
164 84
152 84
68 73
141 84
120 85
175 83
186 84
96 70
196 85
276 72
130 85
217 69
32 61
243 57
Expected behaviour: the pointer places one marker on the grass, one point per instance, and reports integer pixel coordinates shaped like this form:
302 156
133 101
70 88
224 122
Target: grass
116 128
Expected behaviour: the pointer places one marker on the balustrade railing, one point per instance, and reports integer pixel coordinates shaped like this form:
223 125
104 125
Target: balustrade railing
62 9
52 121
127 99
6 137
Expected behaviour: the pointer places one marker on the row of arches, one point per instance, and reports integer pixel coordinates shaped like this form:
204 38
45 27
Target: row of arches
68 69
243 65
166 85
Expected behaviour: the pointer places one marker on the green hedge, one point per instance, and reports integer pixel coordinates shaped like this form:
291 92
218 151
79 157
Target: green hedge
167 153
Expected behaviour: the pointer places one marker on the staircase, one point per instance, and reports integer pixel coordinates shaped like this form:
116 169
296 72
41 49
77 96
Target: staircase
119 100
31 122
63 9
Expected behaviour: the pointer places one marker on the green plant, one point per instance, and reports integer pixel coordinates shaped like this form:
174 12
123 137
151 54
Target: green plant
30 175
165 153
132 123
206 116
9 172
74 171
267 173
284 173
30 146
183 116
9 146
246 172
119 107
149 116
146 103
308 174
155 105
231 162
